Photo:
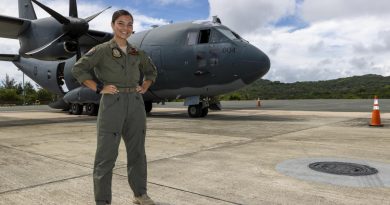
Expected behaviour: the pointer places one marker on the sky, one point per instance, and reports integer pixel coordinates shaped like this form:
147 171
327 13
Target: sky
306 40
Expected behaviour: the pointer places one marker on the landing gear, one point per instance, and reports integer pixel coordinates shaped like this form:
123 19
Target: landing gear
76 109
205 111
198 110
91 109
148 106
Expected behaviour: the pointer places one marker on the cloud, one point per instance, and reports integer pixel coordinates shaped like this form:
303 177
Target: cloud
327 49
341 38
249 15
174 2
319 10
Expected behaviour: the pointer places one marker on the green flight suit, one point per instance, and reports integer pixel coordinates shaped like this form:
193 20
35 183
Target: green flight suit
121 114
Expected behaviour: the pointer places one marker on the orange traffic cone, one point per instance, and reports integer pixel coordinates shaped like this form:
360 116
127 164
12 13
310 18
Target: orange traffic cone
376 116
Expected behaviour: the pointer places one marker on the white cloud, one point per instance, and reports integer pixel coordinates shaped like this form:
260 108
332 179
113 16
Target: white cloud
343 38
327 50
249 15
176 2
319 10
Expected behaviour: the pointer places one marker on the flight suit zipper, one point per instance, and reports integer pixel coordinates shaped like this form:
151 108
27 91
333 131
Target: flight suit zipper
124 67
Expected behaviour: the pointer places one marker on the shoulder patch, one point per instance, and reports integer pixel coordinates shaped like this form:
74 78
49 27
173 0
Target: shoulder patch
91 52
133 51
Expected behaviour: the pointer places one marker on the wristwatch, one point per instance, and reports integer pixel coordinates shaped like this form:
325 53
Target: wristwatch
99 87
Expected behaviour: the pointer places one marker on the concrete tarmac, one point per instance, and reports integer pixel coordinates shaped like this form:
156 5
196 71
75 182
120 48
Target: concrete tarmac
240 155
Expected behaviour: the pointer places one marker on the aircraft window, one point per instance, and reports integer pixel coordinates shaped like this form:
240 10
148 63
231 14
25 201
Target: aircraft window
204 36
230 34
217 37
192 38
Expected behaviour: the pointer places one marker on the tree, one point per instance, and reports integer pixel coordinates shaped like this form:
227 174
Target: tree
8 83
9 96
29 88
44 96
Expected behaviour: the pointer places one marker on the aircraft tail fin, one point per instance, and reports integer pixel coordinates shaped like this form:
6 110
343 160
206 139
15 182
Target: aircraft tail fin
26 10
9 57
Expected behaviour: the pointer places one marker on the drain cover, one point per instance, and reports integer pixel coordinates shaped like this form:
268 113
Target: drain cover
343 168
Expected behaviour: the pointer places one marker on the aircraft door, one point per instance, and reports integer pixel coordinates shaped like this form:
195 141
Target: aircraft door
156 58
202 52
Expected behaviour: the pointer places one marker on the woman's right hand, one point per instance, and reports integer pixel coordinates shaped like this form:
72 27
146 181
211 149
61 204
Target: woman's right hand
109 89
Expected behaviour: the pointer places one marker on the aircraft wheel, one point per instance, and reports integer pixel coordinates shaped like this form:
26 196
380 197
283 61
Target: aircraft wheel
91 109
148 106
77 109
205 111
195 110
70 111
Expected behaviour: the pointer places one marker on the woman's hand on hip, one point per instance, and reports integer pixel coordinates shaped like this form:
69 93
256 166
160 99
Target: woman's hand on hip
141 89
109 89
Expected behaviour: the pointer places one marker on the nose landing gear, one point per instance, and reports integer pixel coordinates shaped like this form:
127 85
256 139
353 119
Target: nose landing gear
198 110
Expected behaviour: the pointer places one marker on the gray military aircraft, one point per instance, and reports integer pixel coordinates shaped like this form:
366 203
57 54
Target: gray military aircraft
196 60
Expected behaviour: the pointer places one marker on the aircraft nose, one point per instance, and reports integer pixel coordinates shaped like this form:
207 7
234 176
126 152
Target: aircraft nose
254 64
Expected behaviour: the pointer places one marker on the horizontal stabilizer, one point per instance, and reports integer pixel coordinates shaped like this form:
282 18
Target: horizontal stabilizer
9 57
11 27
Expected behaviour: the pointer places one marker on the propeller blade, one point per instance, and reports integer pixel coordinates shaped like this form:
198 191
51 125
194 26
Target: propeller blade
94 16
73 8
54 14
45 46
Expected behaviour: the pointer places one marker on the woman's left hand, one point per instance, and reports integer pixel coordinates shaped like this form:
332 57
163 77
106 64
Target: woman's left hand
141 89
144 87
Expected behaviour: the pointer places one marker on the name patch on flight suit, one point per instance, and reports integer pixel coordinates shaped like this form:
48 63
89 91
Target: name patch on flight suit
116 53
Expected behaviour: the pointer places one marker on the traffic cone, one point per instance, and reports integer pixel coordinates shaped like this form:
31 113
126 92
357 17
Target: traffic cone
258 102
376 116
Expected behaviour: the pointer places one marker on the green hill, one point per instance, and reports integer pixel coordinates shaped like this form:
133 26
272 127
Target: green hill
356 87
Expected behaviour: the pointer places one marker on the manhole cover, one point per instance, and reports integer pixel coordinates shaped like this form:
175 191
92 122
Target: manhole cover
343 168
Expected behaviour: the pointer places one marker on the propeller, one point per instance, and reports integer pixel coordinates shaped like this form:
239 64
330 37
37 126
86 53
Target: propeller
73 27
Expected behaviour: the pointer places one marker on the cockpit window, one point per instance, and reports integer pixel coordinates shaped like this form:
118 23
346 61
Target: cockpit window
204 36
217 37
213 35
192 38
230 34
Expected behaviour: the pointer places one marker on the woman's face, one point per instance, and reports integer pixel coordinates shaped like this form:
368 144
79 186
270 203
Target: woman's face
123 27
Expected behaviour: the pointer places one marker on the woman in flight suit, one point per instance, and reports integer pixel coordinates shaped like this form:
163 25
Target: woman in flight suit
118 65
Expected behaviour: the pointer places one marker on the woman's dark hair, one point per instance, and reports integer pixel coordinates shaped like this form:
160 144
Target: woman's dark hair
120 13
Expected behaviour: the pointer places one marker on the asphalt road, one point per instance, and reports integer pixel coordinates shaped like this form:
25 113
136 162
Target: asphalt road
339 105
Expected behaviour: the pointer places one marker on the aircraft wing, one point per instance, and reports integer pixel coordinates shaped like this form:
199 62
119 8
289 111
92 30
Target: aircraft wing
11 27
9 57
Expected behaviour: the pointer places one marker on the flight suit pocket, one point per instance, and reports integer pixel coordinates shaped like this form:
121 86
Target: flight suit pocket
140 99
108 101
110 114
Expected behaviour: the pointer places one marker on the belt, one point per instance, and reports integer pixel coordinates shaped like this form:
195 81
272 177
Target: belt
127 90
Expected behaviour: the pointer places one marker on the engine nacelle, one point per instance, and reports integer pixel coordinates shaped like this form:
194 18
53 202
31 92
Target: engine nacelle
70 47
